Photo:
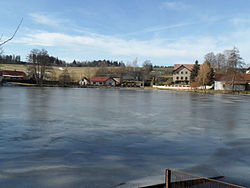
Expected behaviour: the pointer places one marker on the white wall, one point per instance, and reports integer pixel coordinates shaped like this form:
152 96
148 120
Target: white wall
218 85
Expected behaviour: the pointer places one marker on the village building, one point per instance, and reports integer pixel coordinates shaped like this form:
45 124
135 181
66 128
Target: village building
248 71
117 80
182 73
236 82
131 81
84 81
102 81
9 75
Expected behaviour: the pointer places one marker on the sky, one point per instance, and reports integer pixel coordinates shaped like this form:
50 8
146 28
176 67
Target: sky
166 32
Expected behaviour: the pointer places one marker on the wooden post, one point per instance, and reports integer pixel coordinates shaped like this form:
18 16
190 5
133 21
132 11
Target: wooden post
168 178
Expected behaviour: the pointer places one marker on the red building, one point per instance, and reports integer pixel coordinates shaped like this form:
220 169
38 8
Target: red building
102 81
10 75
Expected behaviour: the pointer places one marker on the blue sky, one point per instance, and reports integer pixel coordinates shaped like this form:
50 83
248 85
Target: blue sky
163 31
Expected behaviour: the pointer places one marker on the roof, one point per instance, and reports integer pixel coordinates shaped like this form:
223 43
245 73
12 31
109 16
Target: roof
11 73
99 79
118 80
84 78
188 66
230 77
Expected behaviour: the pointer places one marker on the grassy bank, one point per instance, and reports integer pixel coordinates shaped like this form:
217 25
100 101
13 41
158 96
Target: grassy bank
207 91
75 72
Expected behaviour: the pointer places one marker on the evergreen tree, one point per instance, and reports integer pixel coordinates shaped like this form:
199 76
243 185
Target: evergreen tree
195 71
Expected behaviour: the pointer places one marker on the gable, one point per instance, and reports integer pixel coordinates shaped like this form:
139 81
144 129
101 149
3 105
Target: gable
182 69
188 66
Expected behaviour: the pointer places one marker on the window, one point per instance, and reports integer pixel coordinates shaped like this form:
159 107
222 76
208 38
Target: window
177 78
181 72
186 78
186 72
181 78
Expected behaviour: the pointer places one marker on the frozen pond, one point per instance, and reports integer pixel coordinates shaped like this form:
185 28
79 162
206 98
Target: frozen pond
64 137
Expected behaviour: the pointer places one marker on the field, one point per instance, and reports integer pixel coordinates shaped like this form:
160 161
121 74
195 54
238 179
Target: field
78 72
75 72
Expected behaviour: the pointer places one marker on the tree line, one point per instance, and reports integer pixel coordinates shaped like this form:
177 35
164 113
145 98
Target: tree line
96 63
54 61
11 59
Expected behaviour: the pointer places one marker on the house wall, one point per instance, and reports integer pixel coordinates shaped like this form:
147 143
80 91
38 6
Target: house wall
236 87
218 85
83 82
181 75
96 83
110 82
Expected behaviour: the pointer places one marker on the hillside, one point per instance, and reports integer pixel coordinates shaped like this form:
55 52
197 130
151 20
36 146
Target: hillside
78 72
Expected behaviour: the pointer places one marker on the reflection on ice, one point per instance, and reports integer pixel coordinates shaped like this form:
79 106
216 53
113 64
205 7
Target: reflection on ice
62 137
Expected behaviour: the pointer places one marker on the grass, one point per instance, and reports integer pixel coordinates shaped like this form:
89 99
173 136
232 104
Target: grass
75 72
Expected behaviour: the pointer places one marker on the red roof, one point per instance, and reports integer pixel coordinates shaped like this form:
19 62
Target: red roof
99 79
230 77
188 66
10 73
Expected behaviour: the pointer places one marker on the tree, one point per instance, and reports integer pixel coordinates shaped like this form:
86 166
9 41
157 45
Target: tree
148 66
9 39
206 74
135 63
234 60
40 61
220 61
235 64
64 78
211 58
194 71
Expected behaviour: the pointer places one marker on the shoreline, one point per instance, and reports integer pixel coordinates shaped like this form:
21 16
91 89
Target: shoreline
16 84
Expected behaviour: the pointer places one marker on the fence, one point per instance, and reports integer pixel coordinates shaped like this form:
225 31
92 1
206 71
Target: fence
179 179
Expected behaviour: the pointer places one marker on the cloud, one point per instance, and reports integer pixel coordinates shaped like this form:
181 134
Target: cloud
160 50
173 5
184 49
162 28
45 19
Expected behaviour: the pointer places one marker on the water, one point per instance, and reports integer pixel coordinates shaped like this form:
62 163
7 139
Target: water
64 137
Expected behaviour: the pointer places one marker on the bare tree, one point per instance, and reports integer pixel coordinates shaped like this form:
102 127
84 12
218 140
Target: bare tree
220 61
64 78
210 57
148 66
235 65
40 64
9 39
234 61
135 62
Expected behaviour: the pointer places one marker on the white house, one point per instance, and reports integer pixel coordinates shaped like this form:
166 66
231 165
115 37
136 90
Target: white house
102 81
182 73
84 81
